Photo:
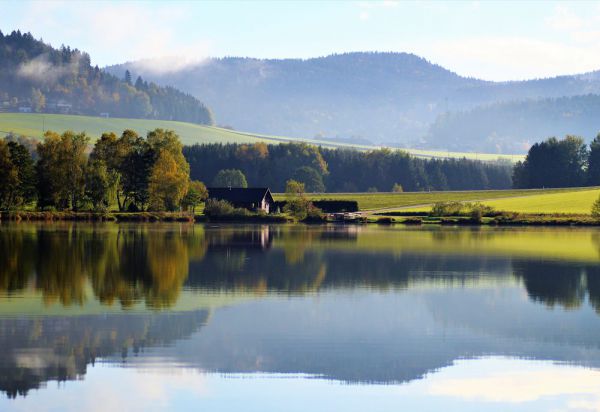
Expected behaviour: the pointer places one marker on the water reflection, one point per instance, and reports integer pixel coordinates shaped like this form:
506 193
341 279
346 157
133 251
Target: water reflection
345 303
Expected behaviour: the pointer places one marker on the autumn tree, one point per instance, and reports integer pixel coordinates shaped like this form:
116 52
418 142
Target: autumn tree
61 169
168 183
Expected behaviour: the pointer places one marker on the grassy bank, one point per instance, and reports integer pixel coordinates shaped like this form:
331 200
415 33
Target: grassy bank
96 217
375 201
34 125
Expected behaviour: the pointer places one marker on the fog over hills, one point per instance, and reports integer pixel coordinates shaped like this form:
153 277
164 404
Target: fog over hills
390 98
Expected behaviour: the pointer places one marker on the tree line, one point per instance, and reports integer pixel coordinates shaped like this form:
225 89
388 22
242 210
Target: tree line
567 162
341 170
36 77
128 172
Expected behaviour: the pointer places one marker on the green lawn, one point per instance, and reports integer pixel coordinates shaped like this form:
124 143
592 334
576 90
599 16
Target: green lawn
374 201
33 125
567 202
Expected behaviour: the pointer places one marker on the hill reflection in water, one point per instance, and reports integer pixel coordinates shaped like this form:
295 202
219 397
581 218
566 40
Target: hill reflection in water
347 303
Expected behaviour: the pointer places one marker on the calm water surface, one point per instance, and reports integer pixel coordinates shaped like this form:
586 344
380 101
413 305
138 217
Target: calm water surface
296 318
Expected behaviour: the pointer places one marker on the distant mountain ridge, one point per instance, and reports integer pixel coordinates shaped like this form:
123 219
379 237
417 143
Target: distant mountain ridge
390 98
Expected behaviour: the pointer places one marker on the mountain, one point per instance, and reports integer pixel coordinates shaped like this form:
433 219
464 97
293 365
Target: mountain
39 78
512 127
390 98
379 96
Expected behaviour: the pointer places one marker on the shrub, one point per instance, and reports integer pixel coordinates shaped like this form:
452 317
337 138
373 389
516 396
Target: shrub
297 207
216 207
446 209
474 210
596 208
385 221
314 214
397 188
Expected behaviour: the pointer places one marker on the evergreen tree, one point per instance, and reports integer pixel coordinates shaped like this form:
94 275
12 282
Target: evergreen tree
593 171
127 77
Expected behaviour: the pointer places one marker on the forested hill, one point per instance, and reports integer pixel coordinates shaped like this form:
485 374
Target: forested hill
514 126
383 97
389 98
35 76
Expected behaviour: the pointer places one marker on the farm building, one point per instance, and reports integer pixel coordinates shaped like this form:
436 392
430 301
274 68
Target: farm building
252 198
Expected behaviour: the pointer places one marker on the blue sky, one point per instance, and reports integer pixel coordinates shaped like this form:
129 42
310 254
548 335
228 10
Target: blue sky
491 40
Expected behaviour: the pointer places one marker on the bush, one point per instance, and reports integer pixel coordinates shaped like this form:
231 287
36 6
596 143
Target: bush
596 208
446 209
473 210
298 208
384 221
216 207
314 214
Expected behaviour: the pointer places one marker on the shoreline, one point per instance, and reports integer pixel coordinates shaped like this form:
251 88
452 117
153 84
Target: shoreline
412 219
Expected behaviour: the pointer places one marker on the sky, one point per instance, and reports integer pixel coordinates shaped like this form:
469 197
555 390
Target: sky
492 40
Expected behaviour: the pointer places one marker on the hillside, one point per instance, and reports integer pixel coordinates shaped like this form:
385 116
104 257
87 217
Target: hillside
35 77
383 97
386 98
514 126
33 125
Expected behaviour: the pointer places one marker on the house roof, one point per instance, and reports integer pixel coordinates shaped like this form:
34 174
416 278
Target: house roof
239 194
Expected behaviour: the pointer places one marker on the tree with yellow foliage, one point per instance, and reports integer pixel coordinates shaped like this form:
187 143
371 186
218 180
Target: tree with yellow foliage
168 183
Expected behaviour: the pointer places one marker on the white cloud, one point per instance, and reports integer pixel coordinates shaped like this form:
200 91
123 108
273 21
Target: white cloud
565 19
129 29
511 58
366 7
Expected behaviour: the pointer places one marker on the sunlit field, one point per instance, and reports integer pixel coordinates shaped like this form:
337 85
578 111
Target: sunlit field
34 125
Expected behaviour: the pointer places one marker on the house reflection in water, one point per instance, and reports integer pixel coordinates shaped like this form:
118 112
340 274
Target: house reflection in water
254 238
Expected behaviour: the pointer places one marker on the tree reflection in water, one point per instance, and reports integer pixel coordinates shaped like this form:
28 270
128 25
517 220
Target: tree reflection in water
123 265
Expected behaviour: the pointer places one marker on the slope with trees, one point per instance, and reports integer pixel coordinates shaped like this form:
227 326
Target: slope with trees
388 98
37 77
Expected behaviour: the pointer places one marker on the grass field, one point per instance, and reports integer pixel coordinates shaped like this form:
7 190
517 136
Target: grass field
33 125
377 201
578 202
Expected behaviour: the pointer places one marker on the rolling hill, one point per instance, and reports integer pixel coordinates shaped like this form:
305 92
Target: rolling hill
35 77
34 125
387 98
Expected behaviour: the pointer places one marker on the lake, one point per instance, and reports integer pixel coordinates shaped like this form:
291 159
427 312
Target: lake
298 318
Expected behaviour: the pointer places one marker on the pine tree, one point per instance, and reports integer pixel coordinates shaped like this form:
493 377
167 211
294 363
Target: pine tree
128 77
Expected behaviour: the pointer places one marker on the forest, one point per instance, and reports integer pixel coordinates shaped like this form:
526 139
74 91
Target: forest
129 172
157 173
35 77
339 170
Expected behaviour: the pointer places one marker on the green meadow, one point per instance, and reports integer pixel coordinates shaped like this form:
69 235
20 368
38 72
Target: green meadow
34 125
421 201
571 202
